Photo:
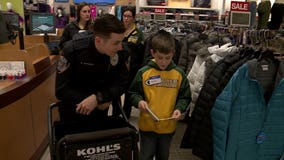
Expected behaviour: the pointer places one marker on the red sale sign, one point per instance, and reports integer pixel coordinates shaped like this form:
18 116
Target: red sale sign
240 6
160 10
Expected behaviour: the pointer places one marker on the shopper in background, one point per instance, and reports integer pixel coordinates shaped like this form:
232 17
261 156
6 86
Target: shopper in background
163 88
252 9
82 23
92 71
132 34
263 11
277 14
133 39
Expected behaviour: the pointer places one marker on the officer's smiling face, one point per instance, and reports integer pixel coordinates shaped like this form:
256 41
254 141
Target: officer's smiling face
109 46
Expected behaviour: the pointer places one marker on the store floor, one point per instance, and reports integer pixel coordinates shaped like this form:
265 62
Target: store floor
176 153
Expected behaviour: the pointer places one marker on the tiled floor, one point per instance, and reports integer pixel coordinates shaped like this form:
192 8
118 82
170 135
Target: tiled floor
176 153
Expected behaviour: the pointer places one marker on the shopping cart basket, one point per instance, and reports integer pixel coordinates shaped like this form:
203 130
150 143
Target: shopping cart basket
118 140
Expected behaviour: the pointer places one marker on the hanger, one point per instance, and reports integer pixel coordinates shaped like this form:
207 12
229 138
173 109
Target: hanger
266 54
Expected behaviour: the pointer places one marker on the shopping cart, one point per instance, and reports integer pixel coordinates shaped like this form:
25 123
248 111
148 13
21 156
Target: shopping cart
118 140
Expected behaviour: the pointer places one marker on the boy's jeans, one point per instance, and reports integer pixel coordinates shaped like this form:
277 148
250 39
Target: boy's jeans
154 145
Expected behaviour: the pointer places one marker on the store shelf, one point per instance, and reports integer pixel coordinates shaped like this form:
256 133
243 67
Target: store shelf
172 13
175 11
184 14
179 8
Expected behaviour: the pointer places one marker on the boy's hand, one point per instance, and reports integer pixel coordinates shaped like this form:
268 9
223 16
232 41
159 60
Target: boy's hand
176 115
142 105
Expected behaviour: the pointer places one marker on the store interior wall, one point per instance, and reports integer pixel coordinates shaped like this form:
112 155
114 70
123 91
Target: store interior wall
220 5
18 4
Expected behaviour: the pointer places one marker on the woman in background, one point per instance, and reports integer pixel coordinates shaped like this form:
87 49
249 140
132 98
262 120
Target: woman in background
82 23
263 11
133 39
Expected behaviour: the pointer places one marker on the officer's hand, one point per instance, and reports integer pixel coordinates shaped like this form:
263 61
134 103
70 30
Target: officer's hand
104 106
87 105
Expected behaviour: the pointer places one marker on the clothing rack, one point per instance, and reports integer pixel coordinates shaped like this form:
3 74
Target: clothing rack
244 36
182 27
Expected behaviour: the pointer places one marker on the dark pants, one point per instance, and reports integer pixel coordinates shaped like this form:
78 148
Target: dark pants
252 9
154 145
263 11
127 107
116 104
277 12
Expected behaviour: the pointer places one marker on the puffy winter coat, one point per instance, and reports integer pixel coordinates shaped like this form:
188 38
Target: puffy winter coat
247 117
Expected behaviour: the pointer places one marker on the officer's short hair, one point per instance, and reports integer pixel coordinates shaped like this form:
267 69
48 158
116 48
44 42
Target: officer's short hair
107 24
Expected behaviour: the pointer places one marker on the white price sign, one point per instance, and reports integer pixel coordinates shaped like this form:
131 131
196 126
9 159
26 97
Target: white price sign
159 16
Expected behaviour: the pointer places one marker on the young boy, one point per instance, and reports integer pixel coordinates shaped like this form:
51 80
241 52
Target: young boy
160 88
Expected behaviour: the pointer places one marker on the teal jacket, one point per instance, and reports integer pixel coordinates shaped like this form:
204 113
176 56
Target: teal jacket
248 124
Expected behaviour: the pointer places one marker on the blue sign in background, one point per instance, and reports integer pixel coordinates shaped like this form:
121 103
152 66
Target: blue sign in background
95 1
61 0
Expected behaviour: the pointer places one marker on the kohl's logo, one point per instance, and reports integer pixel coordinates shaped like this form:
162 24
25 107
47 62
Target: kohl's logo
99 149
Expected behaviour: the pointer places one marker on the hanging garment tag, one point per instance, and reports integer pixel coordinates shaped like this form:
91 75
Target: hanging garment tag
265 67
260 138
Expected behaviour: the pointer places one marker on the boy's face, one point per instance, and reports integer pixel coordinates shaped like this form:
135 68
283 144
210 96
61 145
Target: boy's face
162 59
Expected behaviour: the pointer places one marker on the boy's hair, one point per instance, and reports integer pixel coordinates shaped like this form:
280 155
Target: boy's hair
107 24
163 42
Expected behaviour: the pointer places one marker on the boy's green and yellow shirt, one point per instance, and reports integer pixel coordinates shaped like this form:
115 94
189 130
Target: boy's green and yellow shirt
164 91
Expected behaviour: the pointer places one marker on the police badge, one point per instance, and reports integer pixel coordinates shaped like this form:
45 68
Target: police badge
62 65
114 60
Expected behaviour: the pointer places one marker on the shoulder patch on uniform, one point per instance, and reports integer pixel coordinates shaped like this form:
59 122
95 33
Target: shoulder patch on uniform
133 39
62 65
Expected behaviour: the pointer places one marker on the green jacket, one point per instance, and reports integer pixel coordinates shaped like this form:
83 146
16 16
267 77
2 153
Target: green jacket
135 37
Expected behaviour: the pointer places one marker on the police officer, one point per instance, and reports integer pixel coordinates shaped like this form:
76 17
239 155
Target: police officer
92 71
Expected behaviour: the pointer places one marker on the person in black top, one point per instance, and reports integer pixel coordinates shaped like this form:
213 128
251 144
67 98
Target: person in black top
81 24
92 71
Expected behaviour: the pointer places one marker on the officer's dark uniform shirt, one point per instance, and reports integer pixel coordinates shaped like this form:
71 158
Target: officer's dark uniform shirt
83 71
